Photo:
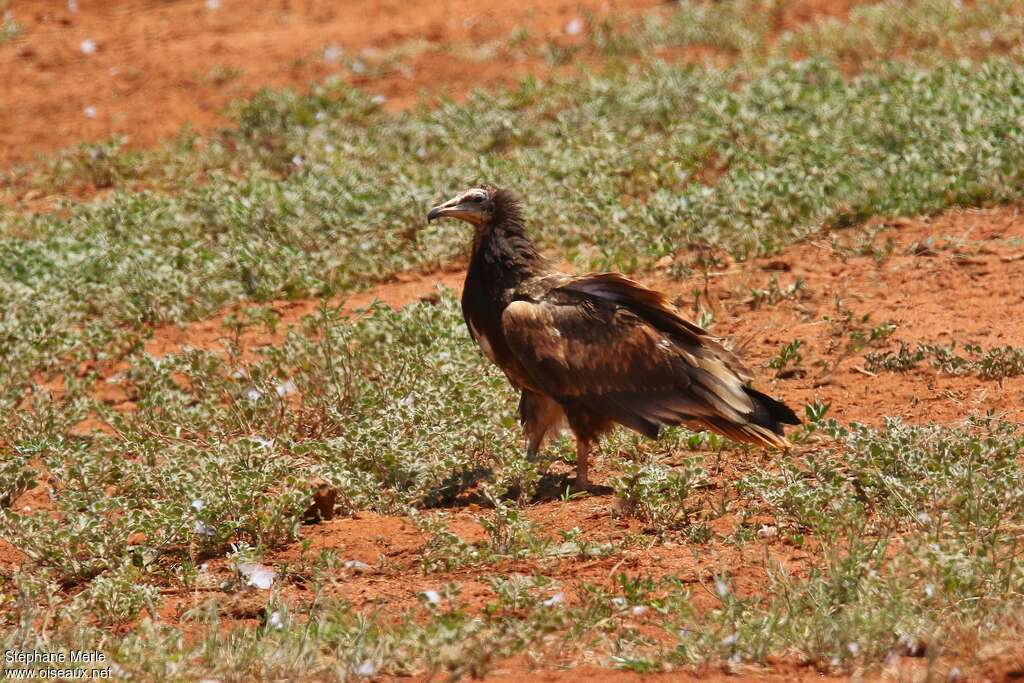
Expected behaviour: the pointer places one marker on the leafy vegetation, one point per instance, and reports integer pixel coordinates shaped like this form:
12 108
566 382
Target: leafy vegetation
917 539
998 363
805 148
918 31
214 453
9 27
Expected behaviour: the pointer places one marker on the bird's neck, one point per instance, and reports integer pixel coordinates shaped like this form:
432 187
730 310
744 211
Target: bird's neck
502 255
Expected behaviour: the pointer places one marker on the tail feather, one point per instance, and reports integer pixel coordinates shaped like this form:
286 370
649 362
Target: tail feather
646 412
769 412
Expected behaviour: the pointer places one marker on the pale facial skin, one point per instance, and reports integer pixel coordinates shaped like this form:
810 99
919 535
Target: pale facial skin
473 206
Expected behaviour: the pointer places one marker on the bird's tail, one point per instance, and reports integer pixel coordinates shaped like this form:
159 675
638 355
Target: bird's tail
765 425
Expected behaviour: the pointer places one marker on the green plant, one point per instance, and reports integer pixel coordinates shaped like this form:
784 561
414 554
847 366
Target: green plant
773 293
659 495
788 355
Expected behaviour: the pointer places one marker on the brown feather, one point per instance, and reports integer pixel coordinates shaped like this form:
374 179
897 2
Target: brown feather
602 349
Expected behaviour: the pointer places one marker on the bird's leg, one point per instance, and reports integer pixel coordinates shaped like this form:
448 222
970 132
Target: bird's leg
582 465
533 444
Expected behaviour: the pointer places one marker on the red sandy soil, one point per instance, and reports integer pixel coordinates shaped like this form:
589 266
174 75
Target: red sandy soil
155 69
958 287
155 65
158 66
948 278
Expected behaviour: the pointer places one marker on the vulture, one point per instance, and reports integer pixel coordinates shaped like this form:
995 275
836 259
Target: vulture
589 352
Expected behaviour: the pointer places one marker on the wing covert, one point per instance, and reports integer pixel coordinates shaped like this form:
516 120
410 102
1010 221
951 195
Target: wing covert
608 358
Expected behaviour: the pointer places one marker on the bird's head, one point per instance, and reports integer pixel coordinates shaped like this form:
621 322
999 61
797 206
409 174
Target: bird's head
477 205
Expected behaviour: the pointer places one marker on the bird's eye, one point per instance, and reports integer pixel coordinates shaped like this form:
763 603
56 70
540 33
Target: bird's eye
476 199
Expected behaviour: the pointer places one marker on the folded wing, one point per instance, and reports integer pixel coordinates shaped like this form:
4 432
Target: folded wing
612 346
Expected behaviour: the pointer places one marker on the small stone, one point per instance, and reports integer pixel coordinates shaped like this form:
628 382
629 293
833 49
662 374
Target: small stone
356 566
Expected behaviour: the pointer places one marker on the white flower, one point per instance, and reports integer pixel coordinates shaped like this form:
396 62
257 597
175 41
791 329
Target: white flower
257 575
619 602
198 504
638 610
729 639
88 46
329 148
204 567
262 441
378 99
854 648
297 160
275 620
722 588
72 5
358 67
212 4
574 27
929 591
554 600
286 387
432 596
90 112
332 53
204 529
253 394
367 668
768 531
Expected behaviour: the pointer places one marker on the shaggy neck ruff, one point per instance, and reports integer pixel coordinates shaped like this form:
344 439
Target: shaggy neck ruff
501 250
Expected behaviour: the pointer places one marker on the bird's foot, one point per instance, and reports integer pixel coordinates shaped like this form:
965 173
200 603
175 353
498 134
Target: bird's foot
590 488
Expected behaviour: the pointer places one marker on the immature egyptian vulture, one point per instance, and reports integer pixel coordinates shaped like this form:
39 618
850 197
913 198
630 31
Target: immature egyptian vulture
593 351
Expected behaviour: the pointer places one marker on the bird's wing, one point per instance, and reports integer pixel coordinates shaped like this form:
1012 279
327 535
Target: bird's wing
617 348
656 310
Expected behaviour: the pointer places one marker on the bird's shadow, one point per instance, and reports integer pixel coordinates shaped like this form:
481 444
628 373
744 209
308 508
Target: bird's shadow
464 488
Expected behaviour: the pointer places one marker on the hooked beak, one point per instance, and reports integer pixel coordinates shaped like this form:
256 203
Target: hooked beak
453 209
436 212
